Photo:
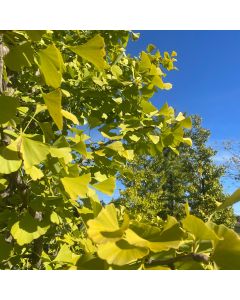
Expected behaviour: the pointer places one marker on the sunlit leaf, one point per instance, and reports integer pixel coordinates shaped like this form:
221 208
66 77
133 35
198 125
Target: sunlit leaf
93 51
121 252
33 152
53 101
235 197
28 229
51 65
76 186
107 186
106 226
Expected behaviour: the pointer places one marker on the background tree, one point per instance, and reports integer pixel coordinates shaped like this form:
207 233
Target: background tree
162 184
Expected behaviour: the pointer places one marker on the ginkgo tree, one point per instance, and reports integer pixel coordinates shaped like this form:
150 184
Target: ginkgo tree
74 108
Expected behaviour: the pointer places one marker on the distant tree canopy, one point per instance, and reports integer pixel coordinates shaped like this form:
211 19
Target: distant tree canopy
160 185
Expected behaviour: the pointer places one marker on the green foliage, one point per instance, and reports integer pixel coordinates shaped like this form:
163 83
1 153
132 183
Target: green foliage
61 86
160 185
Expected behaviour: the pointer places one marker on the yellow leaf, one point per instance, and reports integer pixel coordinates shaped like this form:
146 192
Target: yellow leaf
53 101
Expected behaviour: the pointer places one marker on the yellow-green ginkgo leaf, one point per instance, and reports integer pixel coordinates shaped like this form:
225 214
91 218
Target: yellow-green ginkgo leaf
198 228
107 186
235 197
120 253
53 101
8 109
33 152
65 255
226 252
64 153
9 160
51 65
28 229
76 186
93 51
70 116
35 173
156 240
105 227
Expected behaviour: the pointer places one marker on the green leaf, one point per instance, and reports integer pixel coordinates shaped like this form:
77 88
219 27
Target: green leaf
8 108
235 197
35 35
198 228
107 186
33 152
187 123
3 184
20 56
53 101
93 51
76 186
9 159
148 107
151 237
28 229
106 226
120 253
5 248
51 65
226 252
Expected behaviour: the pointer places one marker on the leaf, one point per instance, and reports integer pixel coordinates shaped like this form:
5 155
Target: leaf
5 248
120 253
3 184
35 35
28 229
198 228
187 141
53 101
148 107
93 51
20 56
105 227
187 123
33 152
107 186
226 252
144 235
9 160
65 255
35 173
70 116
235 197
64 153
76 186
8 108
55 218
81 148
154 138
51 65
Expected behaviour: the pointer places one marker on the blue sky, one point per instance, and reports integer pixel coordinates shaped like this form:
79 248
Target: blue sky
207 82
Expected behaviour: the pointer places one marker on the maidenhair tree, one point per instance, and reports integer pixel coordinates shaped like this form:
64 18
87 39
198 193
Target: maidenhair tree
160 185
74 108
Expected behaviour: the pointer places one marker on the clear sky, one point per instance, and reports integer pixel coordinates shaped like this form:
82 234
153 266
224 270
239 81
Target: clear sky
207 82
